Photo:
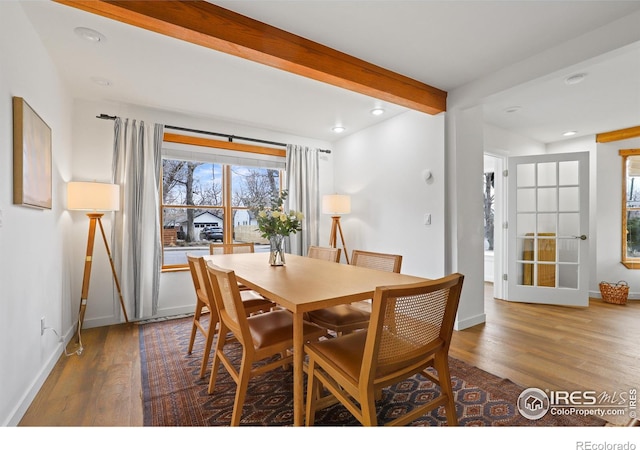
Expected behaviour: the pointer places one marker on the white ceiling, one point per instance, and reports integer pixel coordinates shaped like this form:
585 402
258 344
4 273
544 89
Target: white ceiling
450 45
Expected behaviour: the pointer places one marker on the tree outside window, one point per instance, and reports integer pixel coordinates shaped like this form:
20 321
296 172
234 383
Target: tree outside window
489 211
633 216
196 198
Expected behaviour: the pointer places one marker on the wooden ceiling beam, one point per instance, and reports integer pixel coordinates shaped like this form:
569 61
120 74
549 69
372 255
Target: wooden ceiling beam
618 135
209 25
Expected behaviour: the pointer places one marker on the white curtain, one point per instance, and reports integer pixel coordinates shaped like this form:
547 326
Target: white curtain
303 187
136 237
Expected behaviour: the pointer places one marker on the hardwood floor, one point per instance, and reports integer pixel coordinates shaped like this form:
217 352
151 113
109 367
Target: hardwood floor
555 347
548 347
101 387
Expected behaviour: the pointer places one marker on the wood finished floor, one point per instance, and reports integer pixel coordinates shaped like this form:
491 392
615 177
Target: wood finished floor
101 387
549 347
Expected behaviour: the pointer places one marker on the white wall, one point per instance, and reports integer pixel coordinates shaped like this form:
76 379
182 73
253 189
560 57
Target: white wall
382 169
93 142
34 256
465 218
609 218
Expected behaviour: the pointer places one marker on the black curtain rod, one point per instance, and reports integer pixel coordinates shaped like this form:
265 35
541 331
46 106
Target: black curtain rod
230 137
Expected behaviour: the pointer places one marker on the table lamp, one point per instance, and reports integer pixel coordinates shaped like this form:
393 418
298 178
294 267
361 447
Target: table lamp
96 198
335 205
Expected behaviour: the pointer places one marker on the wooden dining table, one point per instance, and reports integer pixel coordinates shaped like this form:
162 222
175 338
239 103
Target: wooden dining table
305 284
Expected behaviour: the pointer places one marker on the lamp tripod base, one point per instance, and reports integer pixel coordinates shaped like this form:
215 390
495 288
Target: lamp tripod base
86 278
333 238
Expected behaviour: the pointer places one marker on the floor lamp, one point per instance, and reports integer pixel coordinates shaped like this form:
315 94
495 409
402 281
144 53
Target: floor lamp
96 198
335 205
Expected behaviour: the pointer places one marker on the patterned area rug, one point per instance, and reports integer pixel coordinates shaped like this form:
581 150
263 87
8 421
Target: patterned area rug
173 394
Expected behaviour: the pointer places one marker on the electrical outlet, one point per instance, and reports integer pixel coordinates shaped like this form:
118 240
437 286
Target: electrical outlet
42 327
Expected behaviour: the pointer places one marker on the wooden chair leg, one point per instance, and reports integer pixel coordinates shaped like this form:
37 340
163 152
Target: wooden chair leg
196 318
313 394
441 364
222 338
241 392
207 348
368 409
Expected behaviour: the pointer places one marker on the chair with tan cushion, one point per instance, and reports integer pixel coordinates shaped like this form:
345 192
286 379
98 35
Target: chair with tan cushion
355 316
410 330
251 300
262 336
326 253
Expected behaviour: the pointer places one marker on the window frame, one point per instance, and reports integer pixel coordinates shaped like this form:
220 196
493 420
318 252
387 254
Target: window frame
227 190
626 260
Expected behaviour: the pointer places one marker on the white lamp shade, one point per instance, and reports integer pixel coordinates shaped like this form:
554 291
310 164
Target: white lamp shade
336 204
92 196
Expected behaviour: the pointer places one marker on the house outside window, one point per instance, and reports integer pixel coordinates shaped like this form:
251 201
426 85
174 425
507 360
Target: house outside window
203 201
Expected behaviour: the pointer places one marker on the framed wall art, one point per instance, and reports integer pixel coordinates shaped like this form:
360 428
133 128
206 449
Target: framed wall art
31 157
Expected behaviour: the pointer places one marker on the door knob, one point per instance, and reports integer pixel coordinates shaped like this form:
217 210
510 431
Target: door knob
582 237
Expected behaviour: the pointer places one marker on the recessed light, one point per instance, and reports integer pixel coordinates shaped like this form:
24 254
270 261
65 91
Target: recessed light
89 35
338 129
377 111
569 133
101 81
575 79
512 109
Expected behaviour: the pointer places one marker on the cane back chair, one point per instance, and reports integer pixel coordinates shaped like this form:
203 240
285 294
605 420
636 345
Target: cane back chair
410 330
347 318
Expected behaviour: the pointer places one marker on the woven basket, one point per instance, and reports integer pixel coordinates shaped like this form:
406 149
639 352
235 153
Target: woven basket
615 293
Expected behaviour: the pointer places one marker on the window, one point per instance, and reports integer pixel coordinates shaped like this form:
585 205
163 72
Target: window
205 202
631 208
489 210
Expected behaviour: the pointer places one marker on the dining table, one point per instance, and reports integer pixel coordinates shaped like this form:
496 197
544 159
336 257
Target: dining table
305 284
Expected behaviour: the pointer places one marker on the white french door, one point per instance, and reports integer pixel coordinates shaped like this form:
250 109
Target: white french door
548 229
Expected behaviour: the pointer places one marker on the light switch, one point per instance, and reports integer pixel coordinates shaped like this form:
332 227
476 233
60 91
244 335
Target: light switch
427 219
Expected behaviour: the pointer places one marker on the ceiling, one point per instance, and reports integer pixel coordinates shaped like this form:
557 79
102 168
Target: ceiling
446 44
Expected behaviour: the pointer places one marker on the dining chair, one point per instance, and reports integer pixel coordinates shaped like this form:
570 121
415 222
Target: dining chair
409 331
225 249
326 253
355 316
251 300
262 336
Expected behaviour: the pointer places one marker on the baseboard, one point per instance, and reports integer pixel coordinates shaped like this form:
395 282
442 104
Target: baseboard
469 322
111 320
632 295
21 408
165 312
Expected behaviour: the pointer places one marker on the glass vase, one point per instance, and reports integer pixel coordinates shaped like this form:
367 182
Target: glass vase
276 250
